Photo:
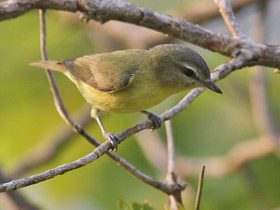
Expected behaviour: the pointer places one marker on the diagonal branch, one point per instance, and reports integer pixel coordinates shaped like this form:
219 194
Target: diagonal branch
120 10
20 183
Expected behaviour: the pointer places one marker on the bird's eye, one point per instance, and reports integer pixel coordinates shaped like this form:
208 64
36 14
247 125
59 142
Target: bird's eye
188 72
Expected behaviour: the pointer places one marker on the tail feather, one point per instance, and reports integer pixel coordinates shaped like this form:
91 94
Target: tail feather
52 65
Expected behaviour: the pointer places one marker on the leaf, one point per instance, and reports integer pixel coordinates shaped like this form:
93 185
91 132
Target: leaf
127 205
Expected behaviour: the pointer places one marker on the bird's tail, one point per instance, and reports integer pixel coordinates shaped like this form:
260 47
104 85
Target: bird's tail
52 65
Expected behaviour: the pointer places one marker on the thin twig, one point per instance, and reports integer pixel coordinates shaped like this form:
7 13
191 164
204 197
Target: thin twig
170 148
171 177
199 188
57 96
20 183
229 18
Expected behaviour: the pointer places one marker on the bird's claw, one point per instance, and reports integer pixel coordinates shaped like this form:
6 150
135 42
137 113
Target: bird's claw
155 119
113 140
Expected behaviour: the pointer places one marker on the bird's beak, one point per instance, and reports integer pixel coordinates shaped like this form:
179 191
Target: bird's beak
212 86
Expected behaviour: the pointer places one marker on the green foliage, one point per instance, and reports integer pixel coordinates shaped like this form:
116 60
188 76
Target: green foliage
126 205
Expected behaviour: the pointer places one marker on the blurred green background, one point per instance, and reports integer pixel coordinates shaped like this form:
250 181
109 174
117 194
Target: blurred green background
210 126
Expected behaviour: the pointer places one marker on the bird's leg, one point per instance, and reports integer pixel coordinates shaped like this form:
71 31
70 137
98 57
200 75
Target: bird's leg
154 118
108 136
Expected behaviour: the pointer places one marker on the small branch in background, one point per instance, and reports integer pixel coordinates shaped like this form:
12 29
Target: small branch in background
229 18
170 148
14 200
171 177
199 188
200 12
159 161
237 156
263 119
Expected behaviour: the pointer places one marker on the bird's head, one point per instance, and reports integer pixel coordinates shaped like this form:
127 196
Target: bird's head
182 67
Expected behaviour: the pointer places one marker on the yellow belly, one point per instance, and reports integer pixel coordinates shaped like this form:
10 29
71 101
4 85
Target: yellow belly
136 97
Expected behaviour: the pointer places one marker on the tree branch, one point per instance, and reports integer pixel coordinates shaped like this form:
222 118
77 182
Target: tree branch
20 183
105 10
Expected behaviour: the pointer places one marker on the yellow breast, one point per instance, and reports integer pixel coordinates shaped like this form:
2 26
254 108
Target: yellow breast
138 96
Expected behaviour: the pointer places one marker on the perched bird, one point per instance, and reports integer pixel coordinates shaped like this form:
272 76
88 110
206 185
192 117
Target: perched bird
134 80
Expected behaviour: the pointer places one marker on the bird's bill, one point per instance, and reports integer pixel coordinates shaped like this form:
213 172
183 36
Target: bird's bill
212 86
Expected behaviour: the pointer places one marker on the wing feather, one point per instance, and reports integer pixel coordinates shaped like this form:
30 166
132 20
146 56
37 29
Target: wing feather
92 71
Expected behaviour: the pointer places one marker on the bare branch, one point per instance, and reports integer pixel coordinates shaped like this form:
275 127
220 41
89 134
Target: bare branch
166 188
199 188
229 18
106 10
20 183
199 12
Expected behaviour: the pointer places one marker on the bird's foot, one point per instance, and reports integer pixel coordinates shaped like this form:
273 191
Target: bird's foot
154 118
113 140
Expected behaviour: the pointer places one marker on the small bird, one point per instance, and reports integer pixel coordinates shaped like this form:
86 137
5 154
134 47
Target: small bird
134 80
